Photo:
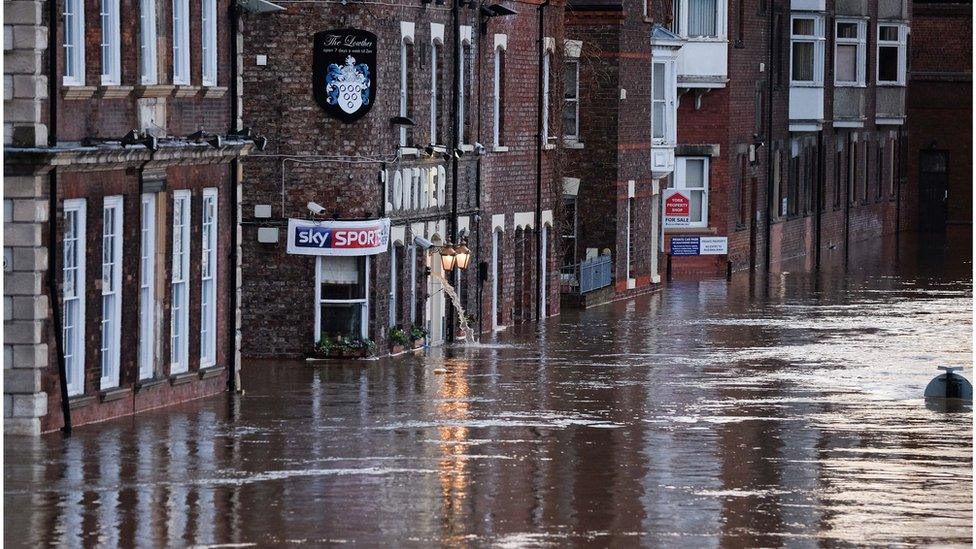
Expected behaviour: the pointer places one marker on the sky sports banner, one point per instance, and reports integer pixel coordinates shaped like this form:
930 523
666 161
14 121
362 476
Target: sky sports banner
368 237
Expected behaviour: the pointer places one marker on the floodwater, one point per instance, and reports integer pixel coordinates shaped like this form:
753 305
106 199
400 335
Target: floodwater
780 412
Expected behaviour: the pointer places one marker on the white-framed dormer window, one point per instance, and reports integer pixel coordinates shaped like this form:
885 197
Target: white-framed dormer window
700 19
571 100
498 95
181 42
892 54
111 291
850 52
406 80
208 280
464 98
691 174
111 43
180 287
73 294
208 42
147 287
807 50
74 43
147 42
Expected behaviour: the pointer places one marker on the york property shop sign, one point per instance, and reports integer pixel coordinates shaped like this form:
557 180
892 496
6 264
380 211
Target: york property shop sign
344 72
677 208
699 245
338 237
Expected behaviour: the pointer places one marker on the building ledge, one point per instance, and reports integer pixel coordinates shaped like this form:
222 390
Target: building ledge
80 401
170 152
211 371
806 126
154 90
186 91
114 92
181 378
890 121
78 92
116 393
572 144
148 384
848 123
213 92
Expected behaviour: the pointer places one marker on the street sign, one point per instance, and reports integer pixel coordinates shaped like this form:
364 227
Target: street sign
677 208
699 245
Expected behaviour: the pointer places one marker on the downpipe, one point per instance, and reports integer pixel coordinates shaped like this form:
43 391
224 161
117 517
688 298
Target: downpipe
540 141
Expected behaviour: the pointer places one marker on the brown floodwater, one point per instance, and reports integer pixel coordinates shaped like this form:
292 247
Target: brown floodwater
780 411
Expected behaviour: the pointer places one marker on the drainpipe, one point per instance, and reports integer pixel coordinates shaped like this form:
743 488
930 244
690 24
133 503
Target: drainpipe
455 138
233 379
820 193
847 196
769 131
540 141
52 217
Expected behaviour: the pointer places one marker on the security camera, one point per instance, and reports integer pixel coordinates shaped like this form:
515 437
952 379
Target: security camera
479 148
316 208
422 242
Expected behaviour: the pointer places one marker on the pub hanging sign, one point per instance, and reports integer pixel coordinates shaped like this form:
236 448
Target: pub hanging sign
344 72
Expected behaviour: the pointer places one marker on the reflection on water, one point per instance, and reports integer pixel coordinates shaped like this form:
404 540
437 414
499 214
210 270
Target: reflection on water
714 413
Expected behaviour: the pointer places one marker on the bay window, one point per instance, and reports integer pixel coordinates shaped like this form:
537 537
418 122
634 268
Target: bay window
208 42
659 118
179 310
342 290
807 50
147 42
111 291
850 59
111 43
181 42
73 294
691 175
208 282
571 100
892 54
74 43
147 290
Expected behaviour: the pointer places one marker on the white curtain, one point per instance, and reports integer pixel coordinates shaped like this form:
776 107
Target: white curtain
701 17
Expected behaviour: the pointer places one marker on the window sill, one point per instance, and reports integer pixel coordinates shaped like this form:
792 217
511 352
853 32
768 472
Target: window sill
211 371
466 148
213 92
117 393
806 85
572 144
691 230
181 378
154 90
147 384
889 85
186 91
408 151
114 92
549 146
78 92
849 85
499 149
80 401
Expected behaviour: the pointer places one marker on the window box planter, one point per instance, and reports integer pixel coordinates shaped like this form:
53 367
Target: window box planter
343 349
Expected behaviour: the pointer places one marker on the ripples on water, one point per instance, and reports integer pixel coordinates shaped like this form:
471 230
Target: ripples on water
710 414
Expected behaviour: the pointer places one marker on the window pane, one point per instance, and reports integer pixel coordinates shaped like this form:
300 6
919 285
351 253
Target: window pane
658 121
701 17
343 278
696 206
803 61
846 30
888 32
888 63
846 63
694 173
342 319
803 27
571 75
659 80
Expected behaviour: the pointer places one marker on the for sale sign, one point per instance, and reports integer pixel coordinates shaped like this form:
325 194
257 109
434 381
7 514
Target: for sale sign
345 238
677 208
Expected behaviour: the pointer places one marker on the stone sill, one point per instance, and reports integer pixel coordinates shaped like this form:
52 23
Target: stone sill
154 90
572 144
213 92
114 92
549 146
186 91
117 393
148 384
211 371
179 379
78 92
80 401
499 149
466 148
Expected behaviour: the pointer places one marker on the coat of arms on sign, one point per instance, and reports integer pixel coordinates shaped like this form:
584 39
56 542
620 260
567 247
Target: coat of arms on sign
344 80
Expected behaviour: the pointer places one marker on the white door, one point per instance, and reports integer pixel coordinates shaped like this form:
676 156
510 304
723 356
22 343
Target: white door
494 280
435 303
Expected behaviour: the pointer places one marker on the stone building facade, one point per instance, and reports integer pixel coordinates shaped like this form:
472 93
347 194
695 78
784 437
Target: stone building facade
119 216
940 103
445 152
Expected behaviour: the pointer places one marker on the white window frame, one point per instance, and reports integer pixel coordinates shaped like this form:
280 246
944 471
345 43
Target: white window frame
73 293
147 43
465 63
901 44
678 182
546 62
393 281
319 301
406 80
818 41
180 309
680 23
110 43
574 134
436 89
111 320
501 46
861 43
208 42
669 101
74 43
147 287
208 278
181 42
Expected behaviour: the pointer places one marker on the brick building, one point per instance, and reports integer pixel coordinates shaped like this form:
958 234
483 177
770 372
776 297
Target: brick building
791 127
119 216
940 105
442 148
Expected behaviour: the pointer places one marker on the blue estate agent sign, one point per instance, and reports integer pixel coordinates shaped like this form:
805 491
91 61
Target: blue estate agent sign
344 72
684 245
699 245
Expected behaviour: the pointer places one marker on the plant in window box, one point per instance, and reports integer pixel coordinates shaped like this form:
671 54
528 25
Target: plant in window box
357 347
325 347
418 335
399 340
